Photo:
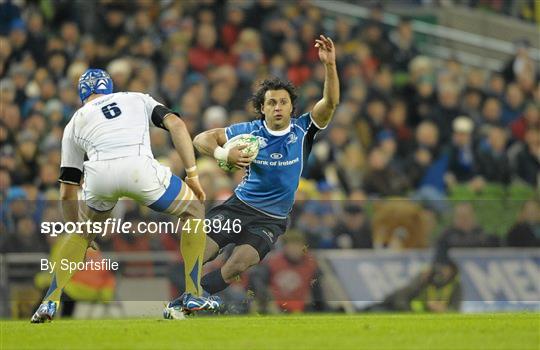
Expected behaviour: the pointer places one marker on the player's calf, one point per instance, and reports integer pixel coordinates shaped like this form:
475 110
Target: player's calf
242 258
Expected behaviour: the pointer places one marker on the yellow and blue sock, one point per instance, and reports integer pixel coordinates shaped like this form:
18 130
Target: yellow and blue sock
73 249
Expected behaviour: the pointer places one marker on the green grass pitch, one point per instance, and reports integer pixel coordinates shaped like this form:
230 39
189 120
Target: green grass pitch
329 332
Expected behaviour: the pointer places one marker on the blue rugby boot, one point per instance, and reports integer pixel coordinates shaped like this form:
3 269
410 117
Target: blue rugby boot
193 303
187 304
45 312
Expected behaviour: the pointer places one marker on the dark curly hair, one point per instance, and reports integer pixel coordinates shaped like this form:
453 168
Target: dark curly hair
257 99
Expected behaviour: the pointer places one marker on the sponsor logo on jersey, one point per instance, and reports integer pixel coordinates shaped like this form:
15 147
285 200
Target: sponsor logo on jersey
263 142
276 156
292 138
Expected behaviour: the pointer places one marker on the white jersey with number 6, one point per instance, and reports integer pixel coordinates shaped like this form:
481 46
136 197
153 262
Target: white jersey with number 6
113 131
108 127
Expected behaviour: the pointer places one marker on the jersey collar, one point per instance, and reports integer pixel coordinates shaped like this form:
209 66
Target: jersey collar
277 133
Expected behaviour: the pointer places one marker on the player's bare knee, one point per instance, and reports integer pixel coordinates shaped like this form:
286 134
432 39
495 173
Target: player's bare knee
237 266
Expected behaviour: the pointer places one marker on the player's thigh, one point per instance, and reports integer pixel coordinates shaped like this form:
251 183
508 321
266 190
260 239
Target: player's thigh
221 219
165 192
185 205
262 234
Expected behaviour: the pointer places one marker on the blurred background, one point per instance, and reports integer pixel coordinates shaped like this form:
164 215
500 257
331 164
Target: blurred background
422 195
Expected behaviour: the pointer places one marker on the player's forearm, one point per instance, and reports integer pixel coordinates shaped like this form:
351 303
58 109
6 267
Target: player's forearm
209 143
70 206
181 140
331 86
206 143
324 109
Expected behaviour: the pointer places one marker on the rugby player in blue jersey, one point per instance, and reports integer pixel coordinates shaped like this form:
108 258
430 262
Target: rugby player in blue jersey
263 200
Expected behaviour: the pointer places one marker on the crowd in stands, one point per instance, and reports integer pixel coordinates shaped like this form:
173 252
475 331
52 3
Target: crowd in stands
526 10
407 125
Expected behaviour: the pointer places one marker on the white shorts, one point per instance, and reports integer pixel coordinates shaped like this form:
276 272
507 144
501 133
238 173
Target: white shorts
141 178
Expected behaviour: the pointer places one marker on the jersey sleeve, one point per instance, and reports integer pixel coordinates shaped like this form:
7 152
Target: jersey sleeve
239 129
308 126
156 111
305 122
71 166
149 103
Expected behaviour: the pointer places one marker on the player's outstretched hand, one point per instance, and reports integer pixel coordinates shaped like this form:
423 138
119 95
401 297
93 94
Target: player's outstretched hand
195 185
238 158
327 50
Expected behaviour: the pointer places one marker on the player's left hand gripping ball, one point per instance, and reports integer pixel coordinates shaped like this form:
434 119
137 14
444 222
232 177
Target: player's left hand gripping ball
251 150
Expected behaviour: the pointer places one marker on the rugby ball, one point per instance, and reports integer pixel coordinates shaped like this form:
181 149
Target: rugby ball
251 150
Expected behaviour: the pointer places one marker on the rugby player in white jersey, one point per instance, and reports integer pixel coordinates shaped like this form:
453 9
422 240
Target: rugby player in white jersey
112 129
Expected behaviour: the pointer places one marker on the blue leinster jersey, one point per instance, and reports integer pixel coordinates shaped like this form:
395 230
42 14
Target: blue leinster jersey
272 178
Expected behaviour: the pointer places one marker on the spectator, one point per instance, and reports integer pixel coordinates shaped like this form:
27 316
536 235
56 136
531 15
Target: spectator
526 231
381 179
353 231
298 71
491 115
205 53
529 120
25 238
112 30
496 85
521 64
404 48
447 110
513 104
472 103
334 153
462 166
427 163
248 44
292 277
397 122
373 121
275 31
26 158
308 34
70 36
37 41
233 25
375 38
464 231
493 163
382 87
437 289
19 39
528 159
386 142
215 117
422 100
